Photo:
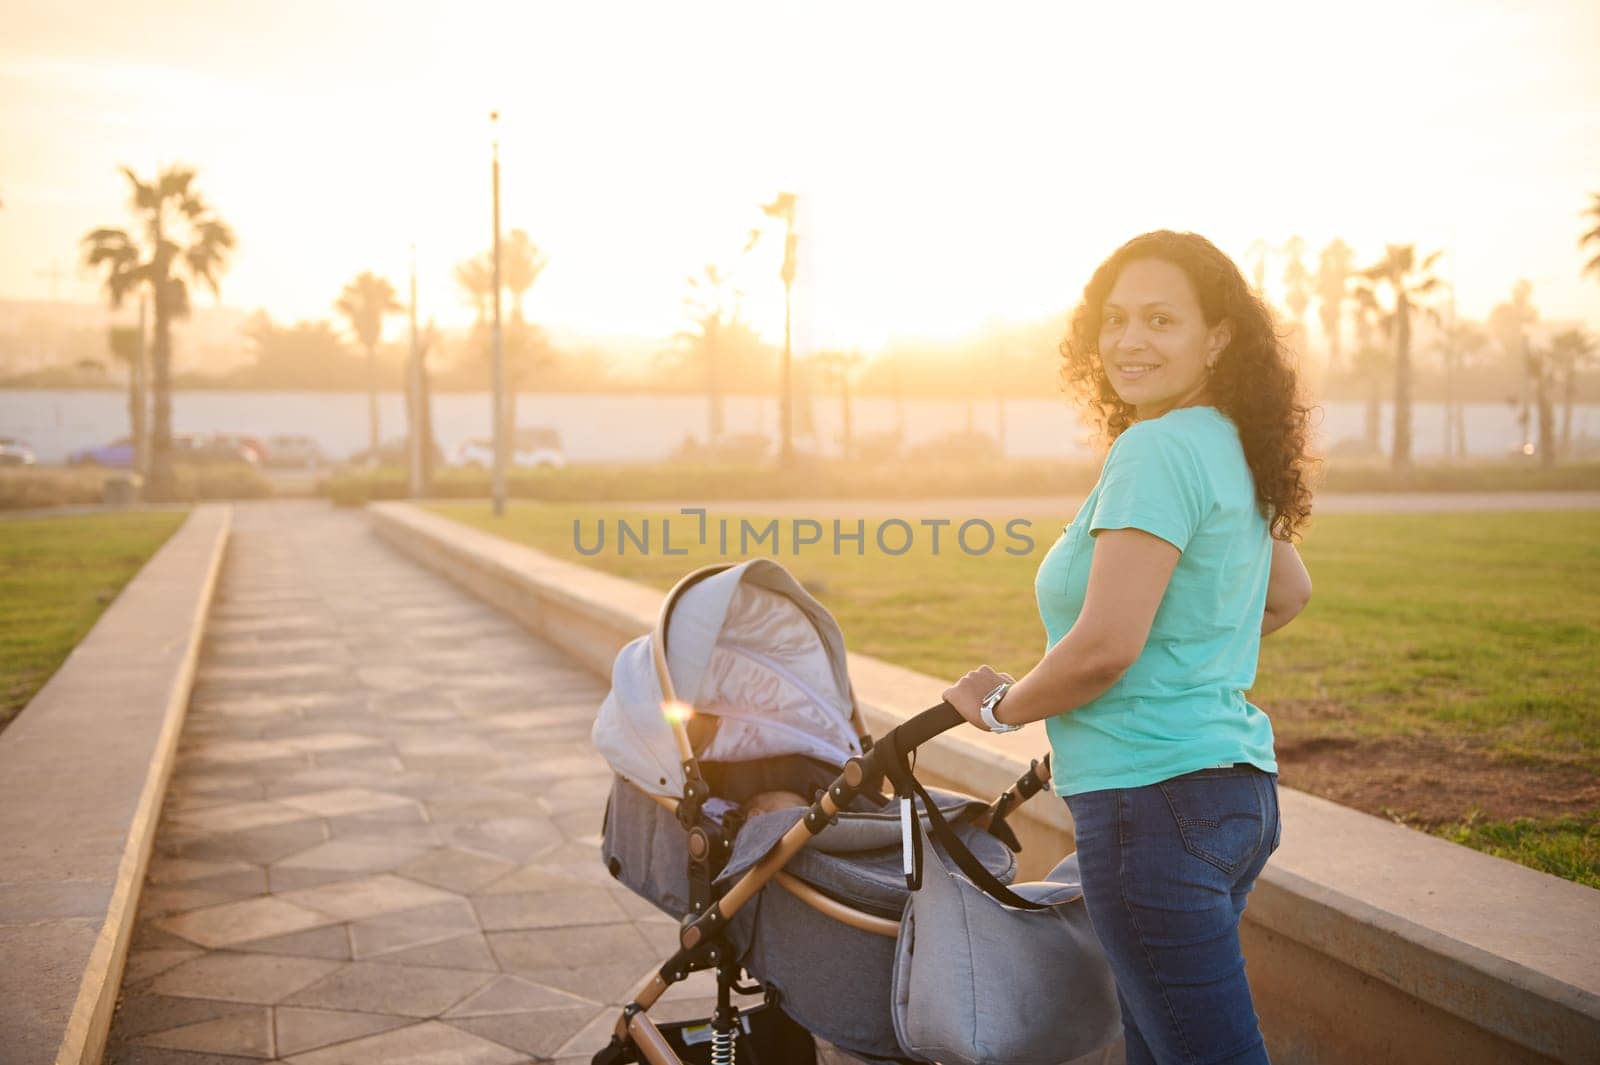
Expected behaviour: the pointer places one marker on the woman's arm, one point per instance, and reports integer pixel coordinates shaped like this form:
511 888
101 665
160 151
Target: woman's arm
1127 579
1288 588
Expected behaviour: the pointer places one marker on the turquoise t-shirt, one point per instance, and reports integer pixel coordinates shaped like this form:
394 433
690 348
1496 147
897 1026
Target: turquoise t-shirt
1181 705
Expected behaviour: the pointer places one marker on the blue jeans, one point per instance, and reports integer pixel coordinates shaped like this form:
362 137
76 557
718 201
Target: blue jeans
1166 868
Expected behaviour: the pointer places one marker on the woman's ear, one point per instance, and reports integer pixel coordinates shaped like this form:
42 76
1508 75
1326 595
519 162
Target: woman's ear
1221 337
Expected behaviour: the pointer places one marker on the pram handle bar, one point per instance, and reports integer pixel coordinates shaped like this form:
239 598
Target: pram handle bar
934 721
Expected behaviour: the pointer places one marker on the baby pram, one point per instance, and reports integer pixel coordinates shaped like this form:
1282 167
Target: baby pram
742 688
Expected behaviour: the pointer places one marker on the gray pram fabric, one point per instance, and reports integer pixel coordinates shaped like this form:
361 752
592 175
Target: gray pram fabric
761 662
977 982
833 979
757 671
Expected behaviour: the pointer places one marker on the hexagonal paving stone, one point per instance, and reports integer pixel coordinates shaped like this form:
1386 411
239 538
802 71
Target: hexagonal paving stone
235 922
257 978
353 899
299 1029
512 994
561 908
405 990
429 1043
247 1034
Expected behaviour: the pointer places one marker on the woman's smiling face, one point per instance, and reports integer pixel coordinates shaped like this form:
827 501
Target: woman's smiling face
1154 343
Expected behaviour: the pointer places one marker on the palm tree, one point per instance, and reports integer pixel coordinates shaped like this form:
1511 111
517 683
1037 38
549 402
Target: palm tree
526 348
1371 360
1509 323
1333 275
838 367
121 263
1593 236
1459 341
1258 250
713 305
1296 279
127 344
1409 281
365 301
181 242
1569 350
476 278
521 263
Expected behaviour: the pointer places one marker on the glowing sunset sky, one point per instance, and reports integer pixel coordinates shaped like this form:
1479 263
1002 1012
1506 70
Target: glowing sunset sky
956 163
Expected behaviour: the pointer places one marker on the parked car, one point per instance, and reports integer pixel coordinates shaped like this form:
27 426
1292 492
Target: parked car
533 447
216 448
395 452
294 450
263 453
118 454
14 452
191 448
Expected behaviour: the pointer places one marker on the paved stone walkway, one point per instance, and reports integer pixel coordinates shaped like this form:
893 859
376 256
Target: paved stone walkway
380 844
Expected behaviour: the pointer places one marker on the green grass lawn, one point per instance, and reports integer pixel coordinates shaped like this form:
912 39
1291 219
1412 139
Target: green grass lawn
56 576
1476 633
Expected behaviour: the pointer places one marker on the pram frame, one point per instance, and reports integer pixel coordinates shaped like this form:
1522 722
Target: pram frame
702 939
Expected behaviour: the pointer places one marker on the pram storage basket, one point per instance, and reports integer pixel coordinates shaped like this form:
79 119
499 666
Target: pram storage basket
832 978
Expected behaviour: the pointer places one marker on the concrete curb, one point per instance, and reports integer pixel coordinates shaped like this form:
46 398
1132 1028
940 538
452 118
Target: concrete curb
77 844
1367 941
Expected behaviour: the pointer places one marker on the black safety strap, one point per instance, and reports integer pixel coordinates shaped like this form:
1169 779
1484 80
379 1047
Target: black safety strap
905 784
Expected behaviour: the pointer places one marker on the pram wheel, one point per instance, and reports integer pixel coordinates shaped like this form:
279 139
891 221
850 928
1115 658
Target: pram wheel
767 1036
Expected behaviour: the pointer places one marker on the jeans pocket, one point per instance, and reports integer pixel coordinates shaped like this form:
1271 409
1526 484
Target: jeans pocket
1219 818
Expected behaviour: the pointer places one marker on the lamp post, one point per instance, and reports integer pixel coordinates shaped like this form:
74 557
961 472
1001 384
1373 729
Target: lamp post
499 476
414 392
782 207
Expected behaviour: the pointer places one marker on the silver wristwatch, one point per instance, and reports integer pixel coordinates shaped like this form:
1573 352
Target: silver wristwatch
986 709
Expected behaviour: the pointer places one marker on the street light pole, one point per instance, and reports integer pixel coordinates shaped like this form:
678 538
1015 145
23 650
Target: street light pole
499 476
783 206
414 390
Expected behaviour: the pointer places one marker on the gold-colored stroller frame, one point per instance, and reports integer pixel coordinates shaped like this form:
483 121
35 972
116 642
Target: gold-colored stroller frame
861 775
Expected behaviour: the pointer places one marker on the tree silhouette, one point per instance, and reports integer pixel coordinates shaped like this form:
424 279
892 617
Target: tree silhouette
1457 342
1408 282
838 368
365 302
476 279
1258 251
1296 279
1509 323
1592 212
1372 360
1570 350
179 242
1333 275
713 306
525 345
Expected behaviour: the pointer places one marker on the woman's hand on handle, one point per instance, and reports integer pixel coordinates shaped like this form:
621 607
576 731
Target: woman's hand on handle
967 693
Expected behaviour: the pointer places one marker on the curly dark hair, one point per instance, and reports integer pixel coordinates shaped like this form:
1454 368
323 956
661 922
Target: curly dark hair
1254 383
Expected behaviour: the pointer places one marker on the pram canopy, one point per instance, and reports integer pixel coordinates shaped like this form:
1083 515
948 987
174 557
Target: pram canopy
755 655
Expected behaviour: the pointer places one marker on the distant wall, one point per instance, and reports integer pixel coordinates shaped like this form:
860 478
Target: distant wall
643 428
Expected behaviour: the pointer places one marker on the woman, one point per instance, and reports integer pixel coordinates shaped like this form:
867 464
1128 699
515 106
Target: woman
1154 600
